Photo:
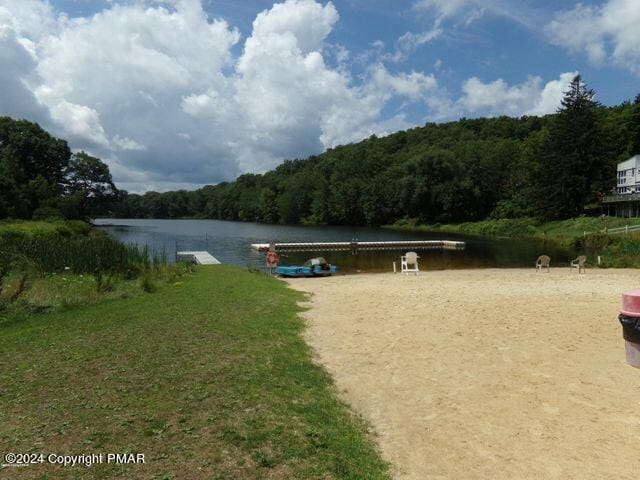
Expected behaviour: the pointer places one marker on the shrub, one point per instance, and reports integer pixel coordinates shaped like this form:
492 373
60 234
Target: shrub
146 282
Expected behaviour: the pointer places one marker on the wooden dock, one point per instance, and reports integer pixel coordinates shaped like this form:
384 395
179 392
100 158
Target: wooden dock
200 258
362 246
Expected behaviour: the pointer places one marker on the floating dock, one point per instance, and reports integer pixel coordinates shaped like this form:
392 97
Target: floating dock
200 258
362 246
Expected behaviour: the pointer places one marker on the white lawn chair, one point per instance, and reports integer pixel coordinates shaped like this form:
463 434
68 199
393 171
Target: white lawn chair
542 262
579 263
409 263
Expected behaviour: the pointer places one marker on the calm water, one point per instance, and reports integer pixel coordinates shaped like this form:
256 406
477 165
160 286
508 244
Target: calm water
230 242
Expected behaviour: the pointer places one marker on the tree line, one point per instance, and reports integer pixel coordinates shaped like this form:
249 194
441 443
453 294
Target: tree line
40 178
556 166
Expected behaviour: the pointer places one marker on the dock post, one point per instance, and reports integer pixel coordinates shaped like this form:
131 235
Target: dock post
354 247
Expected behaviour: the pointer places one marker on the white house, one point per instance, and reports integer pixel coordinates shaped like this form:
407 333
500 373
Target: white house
625 202
629 176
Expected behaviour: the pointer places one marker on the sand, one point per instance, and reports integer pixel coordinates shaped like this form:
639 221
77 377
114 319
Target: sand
484 374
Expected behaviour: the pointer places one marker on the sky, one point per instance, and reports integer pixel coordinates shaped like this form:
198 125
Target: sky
177 94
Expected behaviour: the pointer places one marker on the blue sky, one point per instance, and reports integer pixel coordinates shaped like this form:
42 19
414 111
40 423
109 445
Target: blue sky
180 93
509 45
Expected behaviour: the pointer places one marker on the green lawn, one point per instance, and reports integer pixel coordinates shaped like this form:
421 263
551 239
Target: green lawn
208 377
522 227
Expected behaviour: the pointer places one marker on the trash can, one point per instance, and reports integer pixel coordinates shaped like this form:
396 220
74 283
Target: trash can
630 319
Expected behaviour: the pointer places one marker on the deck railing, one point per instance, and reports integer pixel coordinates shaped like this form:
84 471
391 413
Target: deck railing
621 197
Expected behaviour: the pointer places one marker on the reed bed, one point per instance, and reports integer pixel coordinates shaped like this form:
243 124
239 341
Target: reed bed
87 254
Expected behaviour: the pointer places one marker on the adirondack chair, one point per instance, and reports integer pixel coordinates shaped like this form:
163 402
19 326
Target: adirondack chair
543 261
579 263
409 263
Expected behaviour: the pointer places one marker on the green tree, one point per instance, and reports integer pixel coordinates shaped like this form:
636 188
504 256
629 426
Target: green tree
267 206
32 165
575 168
88 186
635 127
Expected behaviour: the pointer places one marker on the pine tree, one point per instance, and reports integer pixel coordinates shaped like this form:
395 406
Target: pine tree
575 165
635 127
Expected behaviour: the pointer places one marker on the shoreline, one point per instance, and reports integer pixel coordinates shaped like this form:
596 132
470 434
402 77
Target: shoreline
505 372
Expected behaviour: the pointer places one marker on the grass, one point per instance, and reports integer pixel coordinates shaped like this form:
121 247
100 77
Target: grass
49 265
36 228
49 251
521 227
208 377
23 292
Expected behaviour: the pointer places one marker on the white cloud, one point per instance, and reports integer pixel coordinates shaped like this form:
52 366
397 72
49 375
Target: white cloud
113 83
410 42
306 22
443 8
17 67
469 11
126 143
606 33
81 123
530 97
548 100
414 85
155 89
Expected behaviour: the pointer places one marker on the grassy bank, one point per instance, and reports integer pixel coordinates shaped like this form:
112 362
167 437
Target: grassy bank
50 247
35 227
617 250
521 227
208 377
51 265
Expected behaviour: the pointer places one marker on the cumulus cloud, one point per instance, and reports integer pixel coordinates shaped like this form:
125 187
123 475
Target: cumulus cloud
530 97
156 90
18 65
606 33
153 87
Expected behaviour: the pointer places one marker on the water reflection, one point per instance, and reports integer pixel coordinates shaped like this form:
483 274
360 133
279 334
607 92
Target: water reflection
230 243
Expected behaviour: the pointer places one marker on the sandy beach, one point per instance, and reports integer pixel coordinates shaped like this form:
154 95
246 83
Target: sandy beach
484 374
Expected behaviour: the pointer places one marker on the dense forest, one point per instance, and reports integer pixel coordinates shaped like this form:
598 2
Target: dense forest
40 178
555 166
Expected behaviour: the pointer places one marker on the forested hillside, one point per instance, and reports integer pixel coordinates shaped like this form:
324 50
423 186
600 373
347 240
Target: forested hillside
551 167
459 171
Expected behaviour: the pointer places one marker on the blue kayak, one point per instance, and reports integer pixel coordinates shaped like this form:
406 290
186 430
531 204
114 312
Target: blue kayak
316 267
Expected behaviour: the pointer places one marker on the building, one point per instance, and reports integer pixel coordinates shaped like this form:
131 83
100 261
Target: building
629 176
625 202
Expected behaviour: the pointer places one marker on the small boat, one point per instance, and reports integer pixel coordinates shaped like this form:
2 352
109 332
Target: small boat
314 267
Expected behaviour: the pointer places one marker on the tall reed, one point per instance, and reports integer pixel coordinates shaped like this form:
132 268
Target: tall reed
87 254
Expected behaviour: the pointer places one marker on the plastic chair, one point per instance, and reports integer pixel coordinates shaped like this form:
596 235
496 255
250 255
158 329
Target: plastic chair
409 263
543 261
579 263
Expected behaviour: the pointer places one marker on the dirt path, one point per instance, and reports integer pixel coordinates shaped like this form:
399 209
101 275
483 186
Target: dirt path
485 374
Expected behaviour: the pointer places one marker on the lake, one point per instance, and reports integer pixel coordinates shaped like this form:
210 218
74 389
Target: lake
230 243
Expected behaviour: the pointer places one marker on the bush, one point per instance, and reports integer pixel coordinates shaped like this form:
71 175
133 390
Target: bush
146 282
47 213
593 243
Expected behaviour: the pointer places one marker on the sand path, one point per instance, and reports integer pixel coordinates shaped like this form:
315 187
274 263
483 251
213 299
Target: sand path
485 374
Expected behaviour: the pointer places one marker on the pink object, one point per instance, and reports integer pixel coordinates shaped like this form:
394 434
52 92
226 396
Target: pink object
631 303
